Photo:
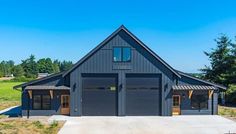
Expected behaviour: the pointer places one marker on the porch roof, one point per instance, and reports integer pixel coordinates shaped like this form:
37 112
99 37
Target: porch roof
41 87
193 87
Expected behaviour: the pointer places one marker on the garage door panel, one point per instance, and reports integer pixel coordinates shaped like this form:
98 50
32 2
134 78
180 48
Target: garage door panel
143 96
99 96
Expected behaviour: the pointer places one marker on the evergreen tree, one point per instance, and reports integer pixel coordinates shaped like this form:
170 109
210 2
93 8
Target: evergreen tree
56 66
232 61
65 65
219 61
45 65
30 67
17 71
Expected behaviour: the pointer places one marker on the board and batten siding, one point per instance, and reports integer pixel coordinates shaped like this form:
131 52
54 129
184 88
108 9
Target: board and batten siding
102 62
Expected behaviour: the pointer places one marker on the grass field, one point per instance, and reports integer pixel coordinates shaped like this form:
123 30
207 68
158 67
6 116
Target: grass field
8 96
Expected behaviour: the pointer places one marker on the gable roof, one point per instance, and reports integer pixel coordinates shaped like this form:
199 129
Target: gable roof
203 81
122 27
37 80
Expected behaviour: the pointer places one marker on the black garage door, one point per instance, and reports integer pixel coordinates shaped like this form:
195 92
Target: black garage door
99 95
142 95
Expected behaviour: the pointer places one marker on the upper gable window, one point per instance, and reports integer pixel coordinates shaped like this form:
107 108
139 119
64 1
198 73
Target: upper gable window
121 54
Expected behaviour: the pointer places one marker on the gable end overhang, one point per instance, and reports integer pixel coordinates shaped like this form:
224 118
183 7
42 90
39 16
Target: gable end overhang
203 81
122 27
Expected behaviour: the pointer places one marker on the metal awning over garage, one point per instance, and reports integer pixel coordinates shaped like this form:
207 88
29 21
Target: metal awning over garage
47 88
193 87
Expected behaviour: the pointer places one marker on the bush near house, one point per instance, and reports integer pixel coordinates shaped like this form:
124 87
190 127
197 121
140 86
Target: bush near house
230 95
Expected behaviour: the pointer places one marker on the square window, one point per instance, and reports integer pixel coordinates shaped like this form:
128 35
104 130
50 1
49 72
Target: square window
199 101
121 54
41 102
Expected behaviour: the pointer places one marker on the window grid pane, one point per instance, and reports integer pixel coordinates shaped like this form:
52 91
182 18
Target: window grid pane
117 54
37 102
46 102
126 54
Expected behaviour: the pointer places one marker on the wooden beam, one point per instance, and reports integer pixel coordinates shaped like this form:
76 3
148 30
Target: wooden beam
30 93
210 92
51 94
190 93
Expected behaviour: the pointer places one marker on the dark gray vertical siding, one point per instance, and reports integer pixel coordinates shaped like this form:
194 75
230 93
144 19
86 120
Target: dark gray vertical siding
102 62
215 103
75 94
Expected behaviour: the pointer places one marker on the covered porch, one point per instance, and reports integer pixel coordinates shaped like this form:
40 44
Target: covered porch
194 99
45 100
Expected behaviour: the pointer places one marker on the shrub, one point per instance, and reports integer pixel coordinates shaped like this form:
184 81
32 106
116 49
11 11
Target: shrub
230 95
38 124
54 124
20 79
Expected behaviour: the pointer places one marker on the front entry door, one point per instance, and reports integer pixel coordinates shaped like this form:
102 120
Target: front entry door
176 105
65 104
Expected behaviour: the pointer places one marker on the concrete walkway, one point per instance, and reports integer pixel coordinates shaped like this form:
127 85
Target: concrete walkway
147 125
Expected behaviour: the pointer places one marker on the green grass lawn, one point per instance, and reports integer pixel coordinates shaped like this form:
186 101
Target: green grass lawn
8 96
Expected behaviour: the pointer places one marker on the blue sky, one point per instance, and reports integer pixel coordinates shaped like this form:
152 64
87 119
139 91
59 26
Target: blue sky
178 31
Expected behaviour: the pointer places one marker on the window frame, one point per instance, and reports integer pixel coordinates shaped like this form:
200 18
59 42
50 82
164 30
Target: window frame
122 60
179 100
41 102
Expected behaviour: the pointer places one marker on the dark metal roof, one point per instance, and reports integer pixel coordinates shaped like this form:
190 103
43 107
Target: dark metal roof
47 87
37 80
204 81
193 87
109 38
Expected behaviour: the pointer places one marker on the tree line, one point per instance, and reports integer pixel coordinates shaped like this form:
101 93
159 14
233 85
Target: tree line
29 68
222 68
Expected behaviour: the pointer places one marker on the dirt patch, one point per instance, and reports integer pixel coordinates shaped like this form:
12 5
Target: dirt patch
7 104
227 112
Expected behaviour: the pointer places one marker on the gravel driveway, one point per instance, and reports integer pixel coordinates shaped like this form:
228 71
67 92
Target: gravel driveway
147 125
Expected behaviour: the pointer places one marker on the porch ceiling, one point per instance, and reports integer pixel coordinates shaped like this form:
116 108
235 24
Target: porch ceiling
193 87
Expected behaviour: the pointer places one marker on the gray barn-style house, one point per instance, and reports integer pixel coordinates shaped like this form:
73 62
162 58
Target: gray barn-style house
120 77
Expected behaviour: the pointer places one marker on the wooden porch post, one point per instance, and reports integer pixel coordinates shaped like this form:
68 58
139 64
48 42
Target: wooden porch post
51 93
190 93
210 92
